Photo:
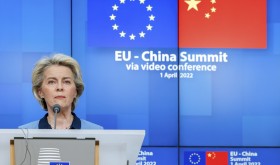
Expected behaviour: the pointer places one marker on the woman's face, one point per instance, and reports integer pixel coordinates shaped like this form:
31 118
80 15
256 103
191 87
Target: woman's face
58 87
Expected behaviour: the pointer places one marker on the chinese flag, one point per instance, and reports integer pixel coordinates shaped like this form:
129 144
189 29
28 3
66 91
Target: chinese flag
216 158
222 24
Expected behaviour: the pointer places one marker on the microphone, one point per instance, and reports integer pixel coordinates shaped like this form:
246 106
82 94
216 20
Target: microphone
56 110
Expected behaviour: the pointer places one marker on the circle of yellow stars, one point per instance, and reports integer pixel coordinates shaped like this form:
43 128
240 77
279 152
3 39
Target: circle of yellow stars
194 3
197 157
123 33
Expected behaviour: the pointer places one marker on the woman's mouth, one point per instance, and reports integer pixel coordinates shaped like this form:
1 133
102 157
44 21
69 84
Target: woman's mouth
59 97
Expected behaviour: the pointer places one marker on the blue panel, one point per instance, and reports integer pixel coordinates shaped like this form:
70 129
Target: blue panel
62 27
111 120
210 131
163 110
272 10
258 128
10 29
274 30
79 22
11 99
9 121
245 86
195 91
10 67
38 26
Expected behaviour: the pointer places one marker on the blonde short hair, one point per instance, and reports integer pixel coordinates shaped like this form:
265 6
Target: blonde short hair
56 59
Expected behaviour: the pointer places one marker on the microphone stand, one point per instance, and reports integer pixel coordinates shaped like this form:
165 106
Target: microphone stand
55 114
56 109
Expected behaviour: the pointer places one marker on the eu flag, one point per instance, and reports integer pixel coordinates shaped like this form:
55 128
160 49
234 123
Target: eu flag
194 158
132 23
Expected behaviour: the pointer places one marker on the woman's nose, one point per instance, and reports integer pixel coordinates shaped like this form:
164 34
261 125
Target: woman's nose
59 86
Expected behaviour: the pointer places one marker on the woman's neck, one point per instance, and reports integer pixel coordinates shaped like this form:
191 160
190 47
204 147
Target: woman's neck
63 120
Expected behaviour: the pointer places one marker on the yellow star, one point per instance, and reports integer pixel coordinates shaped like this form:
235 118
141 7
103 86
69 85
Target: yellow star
213 9
207 15
192 4
213 1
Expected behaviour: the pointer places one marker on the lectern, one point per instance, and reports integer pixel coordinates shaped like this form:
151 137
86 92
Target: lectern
115 147
54 151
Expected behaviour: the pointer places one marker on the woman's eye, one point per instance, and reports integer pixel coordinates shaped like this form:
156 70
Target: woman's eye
67 82
51 82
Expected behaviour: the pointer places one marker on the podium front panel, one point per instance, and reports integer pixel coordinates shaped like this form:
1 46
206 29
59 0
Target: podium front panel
44 151
116 147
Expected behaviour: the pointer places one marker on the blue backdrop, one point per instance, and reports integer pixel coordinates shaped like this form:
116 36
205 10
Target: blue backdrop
236 106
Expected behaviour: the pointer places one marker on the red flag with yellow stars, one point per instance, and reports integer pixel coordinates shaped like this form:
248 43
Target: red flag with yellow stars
216 158
222 24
